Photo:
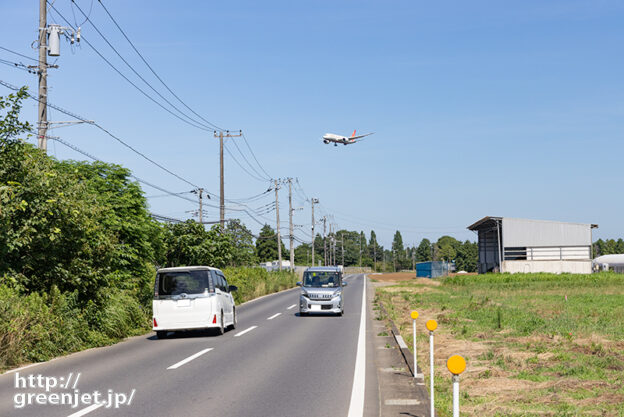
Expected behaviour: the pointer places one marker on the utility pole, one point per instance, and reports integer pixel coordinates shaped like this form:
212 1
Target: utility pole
220 135
290 226
324 241
43 76
279 237
201 208
314 201
342 247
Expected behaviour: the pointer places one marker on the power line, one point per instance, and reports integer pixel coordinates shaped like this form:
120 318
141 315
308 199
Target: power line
152 69
254 156
136 72
17 53
127 79
241 166
250 165
107 132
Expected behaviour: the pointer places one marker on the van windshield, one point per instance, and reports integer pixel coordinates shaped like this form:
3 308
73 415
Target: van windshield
321 279
188 282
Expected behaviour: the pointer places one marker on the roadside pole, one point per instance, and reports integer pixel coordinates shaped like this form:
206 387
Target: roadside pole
414 316
431 326
456 365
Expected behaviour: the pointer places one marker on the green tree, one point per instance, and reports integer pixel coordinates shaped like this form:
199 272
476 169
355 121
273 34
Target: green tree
266 245
303 254
446 248
398 251
10 125
189 243
467 256
243 249
375 251
423 251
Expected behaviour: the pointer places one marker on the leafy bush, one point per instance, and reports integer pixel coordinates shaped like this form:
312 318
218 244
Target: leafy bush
256 282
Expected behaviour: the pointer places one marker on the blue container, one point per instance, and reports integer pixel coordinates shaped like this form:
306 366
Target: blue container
432 269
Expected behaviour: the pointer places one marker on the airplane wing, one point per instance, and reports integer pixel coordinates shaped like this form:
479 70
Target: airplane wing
360 136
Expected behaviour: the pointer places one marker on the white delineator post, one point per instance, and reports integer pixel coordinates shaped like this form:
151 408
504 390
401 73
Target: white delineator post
456 365
414 316
431 326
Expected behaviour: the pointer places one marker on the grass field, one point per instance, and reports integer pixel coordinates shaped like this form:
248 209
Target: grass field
535 344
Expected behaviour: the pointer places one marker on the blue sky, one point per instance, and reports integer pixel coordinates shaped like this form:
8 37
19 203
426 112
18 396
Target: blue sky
479 108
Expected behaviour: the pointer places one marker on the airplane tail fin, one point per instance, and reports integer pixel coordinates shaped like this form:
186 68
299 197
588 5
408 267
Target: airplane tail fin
353 133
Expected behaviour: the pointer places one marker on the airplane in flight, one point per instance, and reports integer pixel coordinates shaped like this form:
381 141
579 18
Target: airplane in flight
336 139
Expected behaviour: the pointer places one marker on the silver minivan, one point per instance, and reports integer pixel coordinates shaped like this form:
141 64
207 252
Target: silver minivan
192 297
321 291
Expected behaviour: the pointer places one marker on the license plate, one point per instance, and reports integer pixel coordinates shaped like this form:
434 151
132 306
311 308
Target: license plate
316 307
183 303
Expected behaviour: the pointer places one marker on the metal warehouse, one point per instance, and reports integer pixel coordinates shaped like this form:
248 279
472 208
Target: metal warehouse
522 245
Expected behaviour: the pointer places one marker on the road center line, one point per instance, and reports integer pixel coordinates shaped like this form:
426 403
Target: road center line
190 358
356 406
292 306
245 331
273 316
86 410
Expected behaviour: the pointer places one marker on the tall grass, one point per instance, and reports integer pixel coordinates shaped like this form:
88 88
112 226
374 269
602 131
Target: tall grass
37 327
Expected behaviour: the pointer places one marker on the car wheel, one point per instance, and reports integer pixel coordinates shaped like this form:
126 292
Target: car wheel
221 329
233 326
161 334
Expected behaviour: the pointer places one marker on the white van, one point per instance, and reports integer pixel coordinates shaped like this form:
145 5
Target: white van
192 297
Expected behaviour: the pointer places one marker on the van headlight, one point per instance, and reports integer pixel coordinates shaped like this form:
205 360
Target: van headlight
337 294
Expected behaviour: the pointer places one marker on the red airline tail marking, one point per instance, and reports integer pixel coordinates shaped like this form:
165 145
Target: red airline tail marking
353 133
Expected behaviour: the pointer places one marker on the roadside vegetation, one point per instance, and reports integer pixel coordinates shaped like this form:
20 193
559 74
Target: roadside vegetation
535 344
79 251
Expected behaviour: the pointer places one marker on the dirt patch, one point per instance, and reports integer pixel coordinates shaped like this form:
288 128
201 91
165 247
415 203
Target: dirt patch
402 277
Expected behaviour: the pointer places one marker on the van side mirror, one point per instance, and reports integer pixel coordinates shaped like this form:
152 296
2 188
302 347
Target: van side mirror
344 284
299 283
233 288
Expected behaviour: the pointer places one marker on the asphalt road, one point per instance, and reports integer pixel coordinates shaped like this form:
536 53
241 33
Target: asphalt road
274 364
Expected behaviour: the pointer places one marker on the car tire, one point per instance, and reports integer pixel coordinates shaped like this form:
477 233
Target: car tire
233 326
221 328
161 334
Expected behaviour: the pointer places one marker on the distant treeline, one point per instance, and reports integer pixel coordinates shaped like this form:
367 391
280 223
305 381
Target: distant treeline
608 247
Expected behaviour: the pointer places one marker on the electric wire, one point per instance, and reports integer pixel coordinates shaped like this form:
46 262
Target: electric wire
107 132
152 69
132 68
254 155
128 80
250 165
240 165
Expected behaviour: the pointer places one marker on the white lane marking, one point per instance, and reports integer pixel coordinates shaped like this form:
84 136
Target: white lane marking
273 316
356 406
190 358
401 342
245 331
86 410
292 306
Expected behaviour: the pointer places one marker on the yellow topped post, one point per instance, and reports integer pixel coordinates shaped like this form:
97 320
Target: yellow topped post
414 315
431 326
456 365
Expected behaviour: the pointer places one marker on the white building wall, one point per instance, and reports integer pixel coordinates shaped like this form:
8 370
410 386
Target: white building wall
541 233
555 267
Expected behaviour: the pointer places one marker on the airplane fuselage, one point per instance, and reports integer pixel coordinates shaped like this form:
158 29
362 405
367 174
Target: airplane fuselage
336 139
